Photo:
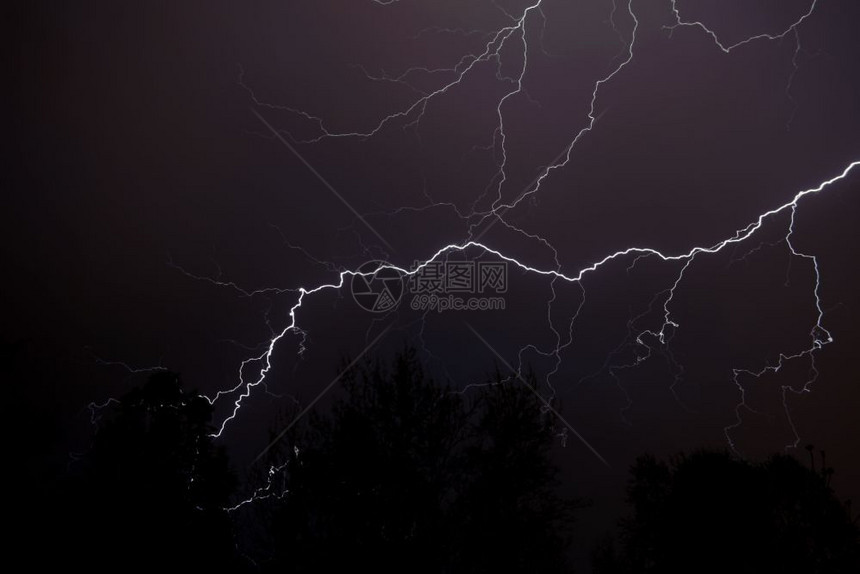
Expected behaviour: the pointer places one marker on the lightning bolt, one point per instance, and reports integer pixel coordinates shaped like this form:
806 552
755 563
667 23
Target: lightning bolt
819 334
492 203
680 22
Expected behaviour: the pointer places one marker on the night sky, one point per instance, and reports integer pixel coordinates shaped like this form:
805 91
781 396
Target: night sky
174 172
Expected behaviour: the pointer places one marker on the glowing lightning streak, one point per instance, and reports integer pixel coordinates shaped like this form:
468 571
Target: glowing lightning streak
727 49
491 51
562 162
264 492
688 257
418 107
820 336
413 113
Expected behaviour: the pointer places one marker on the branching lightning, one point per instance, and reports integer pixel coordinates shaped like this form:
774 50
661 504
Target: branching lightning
680 22
253 371
818 334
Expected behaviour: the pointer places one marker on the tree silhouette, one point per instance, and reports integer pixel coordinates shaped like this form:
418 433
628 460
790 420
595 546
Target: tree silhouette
367 484
711 512
154 486
405 475
510 517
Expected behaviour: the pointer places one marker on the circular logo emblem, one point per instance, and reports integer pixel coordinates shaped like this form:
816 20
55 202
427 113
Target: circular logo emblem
377 287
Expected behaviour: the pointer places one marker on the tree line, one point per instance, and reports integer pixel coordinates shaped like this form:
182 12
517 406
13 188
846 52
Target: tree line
402 474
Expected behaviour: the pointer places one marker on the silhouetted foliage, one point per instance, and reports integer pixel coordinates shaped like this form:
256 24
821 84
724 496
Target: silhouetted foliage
36 422
406 475
154 486
509 516
711 512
